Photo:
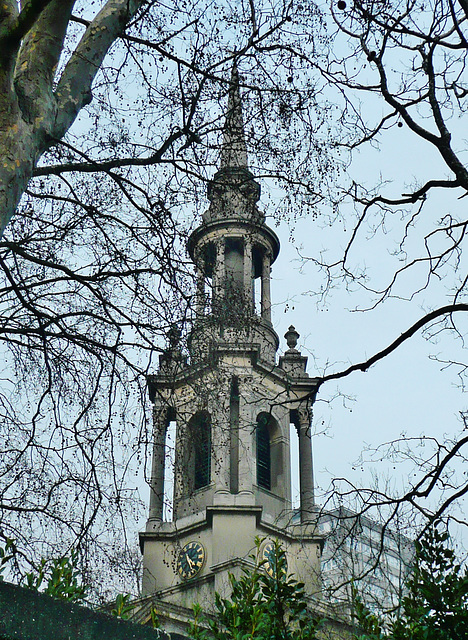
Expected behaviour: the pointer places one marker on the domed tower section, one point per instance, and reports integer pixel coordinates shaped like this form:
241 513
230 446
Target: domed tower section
233 251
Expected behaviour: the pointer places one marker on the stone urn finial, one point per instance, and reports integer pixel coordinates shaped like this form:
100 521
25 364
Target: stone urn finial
172 360
173 336
292 337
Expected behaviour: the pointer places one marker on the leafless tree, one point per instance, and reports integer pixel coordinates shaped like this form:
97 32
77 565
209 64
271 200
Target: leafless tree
111 115
400 68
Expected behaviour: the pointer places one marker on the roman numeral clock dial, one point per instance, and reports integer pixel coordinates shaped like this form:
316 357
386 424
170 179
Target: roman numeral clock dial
190 560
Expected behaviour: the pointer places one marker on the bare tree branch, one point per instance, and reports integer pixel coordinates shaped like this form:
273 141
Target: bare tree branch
417 326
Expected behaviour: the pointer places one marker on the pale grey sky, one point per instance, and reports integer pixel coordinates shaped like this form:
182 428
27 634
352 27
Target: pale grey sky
408 392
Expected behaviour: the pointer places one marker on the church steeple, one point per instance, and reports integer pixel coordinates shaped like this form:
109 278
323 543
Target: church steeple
232 404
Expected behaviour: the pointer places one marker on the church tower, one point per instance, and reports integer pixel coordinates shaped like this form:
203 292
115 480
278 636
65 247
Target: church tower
233 405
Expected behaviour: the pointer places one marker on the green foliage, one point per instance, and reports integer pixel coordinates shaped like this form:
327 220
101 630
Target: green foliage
59 578
369 623
6 554
123 607
260 607
436 604
155 619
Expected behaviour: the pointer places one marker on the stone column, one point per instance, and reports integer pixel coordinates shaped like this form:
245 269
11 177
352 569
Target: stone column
266 297
200 296
306 472
158 464
248 276
219 272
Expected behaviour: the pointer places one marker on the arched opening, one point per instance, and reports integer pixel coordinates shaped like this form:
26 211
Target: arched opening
257 276
205 279
270 451
200 454
294 462
263 452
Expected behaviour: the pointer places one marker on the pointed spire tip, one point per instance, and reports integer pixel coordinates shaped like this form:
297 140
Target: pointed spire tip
234 147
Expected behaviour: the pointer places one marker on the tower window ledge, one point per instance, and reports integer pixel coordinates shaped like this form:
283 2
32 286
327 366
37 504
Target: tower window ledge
198 492
270 493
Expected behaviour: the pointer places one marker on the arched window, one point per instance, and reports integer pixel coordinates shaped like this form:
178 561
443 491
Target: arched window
200 441
263 451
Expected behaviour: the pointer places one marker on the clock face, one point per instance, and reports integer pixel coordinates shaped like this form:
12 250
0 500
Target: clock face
190 560
270 559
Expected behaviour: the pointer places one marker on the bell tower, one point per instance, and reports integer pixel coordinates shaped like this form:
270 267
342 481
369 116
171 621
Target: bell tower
233 405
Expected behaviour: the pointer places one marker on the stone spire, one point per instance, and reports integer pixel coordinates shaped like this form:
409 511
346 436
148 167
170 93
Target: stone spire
234 148
233 191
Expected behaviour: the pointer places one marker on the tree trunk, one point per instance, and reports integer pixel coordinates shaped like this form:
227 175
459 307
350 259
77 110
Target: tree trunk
32 117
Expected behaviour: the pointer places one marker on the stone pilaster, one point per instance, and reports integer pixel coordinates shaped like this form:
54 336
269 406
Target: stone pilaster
266 296
248 279
219 271
200 295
